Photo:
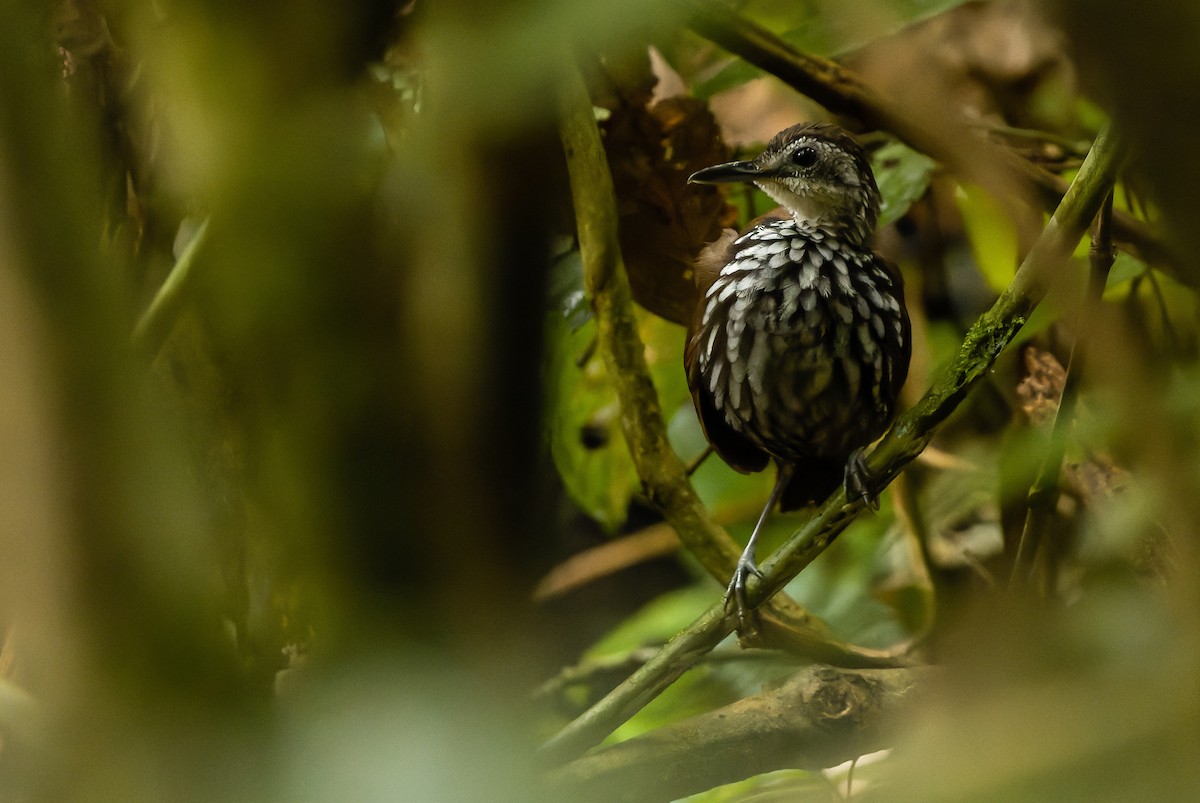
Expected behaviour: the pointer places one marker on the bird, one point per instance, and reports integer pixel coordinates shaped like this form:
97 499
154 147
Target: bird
798 349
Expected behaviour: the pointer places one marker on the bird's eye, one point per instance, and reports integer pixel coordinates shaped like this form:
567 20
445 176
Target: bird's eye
805 157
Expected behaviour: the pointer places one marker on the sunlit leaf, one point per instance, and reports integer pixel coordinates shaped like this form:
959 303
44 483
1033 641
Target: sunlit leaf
992 235
585 434
770 787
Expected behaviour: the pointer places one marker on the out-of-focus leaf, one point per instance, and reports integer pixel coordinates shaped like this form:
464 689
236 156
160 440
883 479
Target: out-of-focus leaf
813 36
698 691
808 30
903 176
664 359
1124 269
770 787
993 236
585 434
657 620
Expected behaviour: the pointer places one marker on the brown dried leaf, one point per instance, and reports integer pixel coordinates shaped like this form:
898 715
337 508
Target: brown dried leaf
664 222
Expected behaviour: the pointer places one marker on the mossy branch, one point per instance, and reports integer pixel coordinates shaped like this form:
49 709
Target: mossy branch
912 432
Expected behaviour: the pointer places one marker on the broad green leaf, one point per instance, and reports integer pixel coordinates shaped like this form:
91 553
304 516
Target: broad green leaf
903 177
992 235
583 416
699 690
657 620
586 442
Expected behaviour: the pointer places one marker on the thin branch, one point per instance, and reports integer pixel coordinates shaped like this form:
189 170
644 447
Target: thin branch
156 323
951 141
1074 147
1043 495
913 430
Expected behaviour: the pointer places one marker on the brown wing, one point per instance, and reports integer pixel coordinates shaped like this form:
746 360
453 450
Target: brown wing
734 448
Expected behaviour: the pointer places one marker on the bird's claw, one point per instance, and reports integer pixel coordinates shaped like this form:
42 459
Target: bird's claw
858 481
735 593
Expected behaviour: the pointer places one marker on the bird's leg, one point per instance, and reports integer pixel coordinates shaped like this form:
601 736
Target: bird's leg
746 565
858 480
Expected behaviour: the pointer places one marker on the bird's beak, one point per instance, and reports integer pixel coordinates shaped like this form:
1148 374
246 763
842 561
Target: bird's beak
730 171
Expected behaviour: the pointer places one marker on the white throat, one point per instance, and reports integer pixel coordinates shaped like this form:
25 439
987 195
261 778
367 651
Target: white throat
803 208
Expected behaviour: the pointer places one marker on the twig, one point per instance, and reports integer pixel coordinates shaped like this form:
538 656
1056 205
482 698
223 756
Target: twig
1072 146
1043 495
156 323
912 431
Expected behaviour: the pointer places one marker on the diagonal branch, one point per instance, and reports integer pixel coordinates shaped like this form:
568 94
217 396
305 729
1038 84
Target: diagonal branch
911 433
951 141
154 327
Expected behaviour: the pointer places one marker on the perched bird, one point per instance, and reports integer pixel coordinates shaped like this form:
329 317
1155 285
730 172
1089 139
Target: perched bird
798 349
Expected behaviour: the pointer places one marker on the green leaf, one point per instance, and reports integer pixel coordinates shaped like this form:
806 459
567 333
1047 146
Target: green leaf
657 621
586 441
583 417
903 176
705 687
840 586
779 785
992 235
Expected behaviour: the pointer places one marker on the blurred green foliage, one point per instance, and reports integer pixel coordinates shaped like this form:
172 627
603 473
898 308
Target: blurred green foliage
283 550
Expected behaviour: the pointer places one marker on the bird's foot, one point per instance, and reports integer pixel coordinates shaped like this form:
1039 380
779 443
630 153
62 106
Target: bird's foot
858 481
735 593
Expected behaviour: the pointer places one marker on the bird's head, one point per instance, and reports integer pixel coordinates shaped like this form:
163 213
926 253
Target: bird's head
817 172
